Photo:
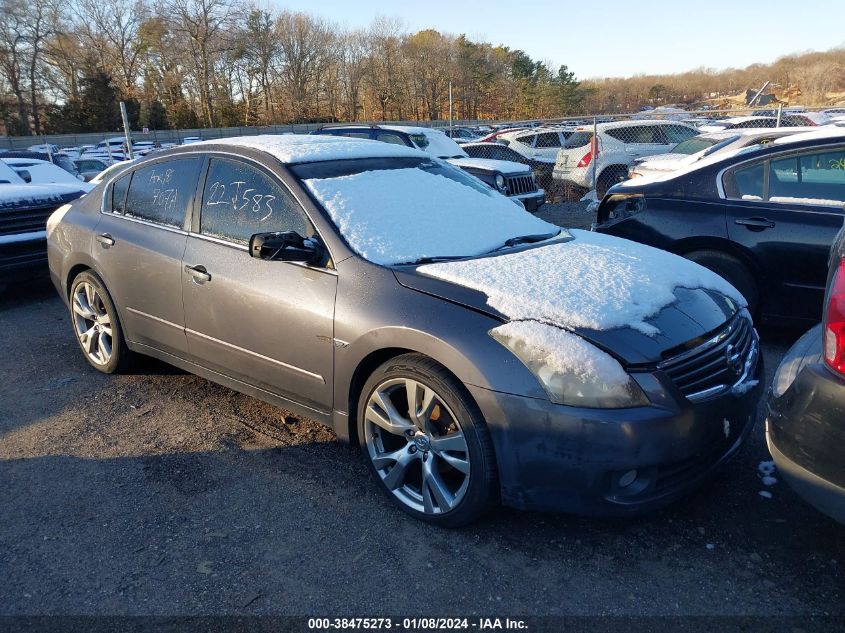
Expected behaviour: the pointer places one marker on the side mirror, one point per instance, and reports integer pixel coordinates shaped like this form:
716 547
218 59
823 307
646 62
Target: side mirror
23 173
287 246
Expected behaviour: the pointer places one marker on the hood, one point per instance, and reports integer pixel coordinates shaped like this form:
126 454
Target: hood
490 165
632 301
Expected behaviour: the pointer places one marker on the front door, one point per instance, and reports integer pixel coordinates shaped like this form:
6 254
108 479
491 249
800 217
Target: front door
267 323
787 212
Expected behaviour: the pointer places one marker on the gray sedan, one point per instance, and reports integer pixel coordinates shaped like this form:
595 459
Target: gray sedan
476 353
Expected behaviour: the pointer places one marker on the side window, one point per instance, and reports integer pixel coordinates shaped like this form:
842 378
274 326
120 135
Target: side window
365 135
748 183
162 191
817 179
118 194
527 139
678 133
240 200
548 139
387 137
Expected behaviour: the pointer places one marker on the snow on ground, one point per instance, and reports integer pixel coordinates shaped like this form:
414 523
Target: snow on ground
574 360
594 281
401 215
310 148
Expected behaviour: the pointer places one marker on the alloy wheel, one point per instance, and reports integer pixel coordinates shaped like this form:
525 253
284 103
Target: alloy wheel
92 323
417 446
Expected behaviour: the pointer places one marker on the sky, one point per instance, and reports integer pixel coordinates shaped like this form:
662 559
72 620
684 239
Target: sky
611 38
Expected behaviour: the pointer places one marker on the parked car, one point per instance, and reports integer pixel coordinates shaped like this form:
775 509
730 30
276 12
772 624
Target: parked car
475 352
763 218
805 406
495 135
541 169
461 135
618 145
24 209
59 159
514 180
740 122
89 167
539 143
40 172
704 145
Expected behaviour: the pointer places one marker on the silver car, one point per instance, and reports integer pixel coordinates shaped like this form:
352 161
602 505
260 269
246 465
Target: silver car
476 353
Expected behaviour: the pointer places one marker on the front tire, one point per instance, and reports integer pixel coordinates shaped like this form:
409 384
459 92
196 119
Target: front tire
96 325
609 177
426 442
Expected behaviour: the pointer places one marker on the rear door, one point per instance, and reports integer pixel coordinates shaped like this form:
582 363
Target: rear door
787 211
266 323
140 240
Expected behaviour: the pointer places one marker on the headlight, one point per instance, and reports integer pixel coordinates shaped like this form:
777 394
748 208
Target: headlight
500 181
571 370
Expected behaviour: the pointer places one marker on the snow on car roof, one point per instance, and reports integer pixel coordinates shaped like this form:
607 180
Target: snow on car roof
312 148
619 283
392 216
819 133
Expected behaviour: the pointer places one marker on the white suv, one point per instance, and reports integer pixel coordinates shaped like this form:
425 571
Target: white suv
539 144
619 144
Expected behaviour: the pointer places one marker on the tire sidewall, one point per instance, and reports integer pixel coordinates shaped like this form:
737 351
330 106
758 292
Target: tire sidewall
483 475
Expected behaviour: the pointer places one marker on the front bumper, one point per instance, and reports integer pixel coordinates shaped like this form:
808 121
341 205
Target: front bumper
559 458
531 201
21 254
805 426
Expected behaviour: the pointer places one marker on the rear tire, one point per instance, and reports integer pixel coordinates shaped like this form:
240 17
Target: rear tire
609 177
732 270
96 325
438 441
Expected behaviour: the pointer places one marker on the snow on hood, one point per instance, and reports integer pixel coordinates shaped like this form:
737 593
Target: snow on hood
489 164
29 195
595 281
401 215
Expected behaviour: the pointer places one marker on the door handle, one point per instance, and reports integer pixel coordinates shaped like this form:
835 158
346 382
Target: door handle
199 273
756 224
105 239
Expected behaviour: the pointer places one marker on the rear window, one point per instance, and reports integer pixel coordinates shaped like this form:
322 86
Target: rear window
579 139
420 140
161 192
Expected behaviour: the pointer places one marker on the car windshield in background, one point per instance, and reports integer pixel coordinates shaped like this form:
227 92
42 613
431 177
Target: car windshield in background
693 145
410 210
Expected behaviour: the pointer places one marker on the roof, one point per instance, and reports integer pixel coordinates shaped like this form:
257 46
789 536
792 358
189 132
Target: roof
312 148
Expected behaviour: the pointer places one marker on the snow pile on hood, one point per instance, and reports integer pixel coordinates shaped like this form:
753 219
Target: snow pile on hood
504 166
29 195
557 350
595 281
401 215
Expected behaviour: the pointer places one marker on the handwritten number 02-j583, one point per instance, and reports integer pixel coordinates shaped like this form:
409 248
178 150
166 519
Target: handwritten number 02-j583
242 199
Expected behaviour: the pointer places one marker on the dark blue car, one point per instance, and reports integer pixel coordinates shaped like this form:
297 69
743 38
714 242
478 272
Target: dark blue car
763 218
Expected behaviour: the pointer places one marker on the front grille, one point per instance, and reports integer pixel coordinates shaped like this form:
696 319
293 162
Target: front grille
517 185
714 365
23 221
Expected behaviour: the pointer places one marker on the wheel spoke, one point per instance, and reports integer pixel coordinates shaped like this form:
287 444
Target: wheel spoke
104 348
89 294
383 460
392 422
452 442
82 309
420 403
396 477
436 487
88 338
458 463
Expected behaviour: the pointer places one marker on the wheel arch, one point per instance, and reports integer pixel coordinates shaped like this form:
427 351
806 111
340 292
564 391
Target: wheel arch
712 243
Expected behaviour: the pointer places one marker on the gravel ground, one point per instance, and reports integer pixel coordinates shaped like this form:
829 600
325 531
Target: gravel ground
161 493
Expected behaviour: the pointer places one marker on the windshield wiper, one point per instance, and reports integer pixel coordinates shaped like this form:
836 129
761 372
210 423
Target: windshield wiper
528 239
431 260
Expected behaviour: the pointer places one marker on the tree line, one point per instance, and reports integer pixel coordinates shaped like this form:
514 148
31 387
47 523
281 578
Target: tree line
66 64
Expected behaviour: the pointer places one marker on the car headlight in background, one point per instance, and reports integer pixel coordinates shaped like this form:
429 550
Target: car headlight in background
500 182
620 206
571 370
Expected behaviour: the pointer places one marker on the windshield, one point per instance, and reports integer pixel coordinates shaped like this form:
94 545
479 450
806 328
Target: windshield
397 211
693 145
